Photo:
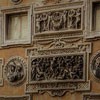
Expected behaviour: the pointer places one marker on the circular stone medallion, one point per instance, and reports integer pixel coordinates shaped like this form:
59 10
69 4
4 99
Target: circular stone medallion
15 70
95 65
16 1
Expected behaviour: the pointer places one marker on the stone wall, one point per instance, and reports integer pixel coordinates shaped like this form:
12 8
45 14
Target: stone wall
59 59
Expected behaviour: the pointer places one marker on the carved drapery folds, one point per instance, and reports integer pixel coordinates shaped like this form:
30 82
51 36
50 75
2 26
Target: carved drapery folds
65 19
68 67
15 70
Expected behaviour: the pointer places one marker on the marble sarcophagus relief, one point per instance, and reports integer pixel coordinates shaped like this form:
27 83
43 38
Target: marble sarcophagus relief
58 18
57 68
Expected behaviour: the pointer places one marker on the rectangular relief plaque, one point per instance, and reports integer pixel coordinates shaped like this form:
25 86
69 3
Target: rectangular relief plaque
57 68
58 71
58 18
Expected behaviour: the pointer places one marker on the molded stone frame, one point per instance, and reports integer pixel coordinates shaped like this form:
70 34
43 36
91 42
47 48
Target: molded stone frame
89 32
91 96
1 72
59 88
23 97
15 10
42 10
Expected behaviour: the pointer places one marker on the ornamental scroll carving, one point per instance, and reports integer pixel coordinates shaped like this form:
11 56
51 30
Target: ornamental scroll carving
69 67
15 70
58 20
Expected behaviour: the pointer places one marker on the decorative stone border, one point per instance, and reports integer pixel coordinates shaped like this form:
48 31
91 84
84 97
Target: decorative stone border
57 68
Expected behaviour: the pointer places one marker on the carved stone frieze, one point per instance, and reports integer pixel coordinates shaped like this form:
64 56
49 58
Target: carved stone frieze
72 48
15 98
15 70
47 20
95 65
57 68
57 43
54 70
58 20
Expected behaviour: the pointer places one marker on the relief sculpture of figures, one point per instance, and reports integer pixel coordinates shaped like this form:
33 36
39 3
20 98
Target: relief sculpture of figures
57 68
58 20
15 71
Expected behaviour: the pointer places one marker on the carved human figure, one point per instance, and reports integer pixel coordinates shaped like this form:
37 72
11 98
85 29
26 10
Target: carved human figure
65 18
33 71
44 21
15 72
78 18
38 20
71 14
57 20
36 72
12 74
49 24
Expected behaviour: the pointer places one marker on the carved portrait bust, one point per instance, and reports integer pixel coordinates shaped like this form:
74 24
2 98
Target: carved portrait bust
15 70
95 65
16 1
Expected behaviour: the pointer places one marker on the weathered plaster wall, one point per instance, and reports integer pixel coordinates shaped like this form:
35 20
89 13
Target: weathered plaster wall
6 53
